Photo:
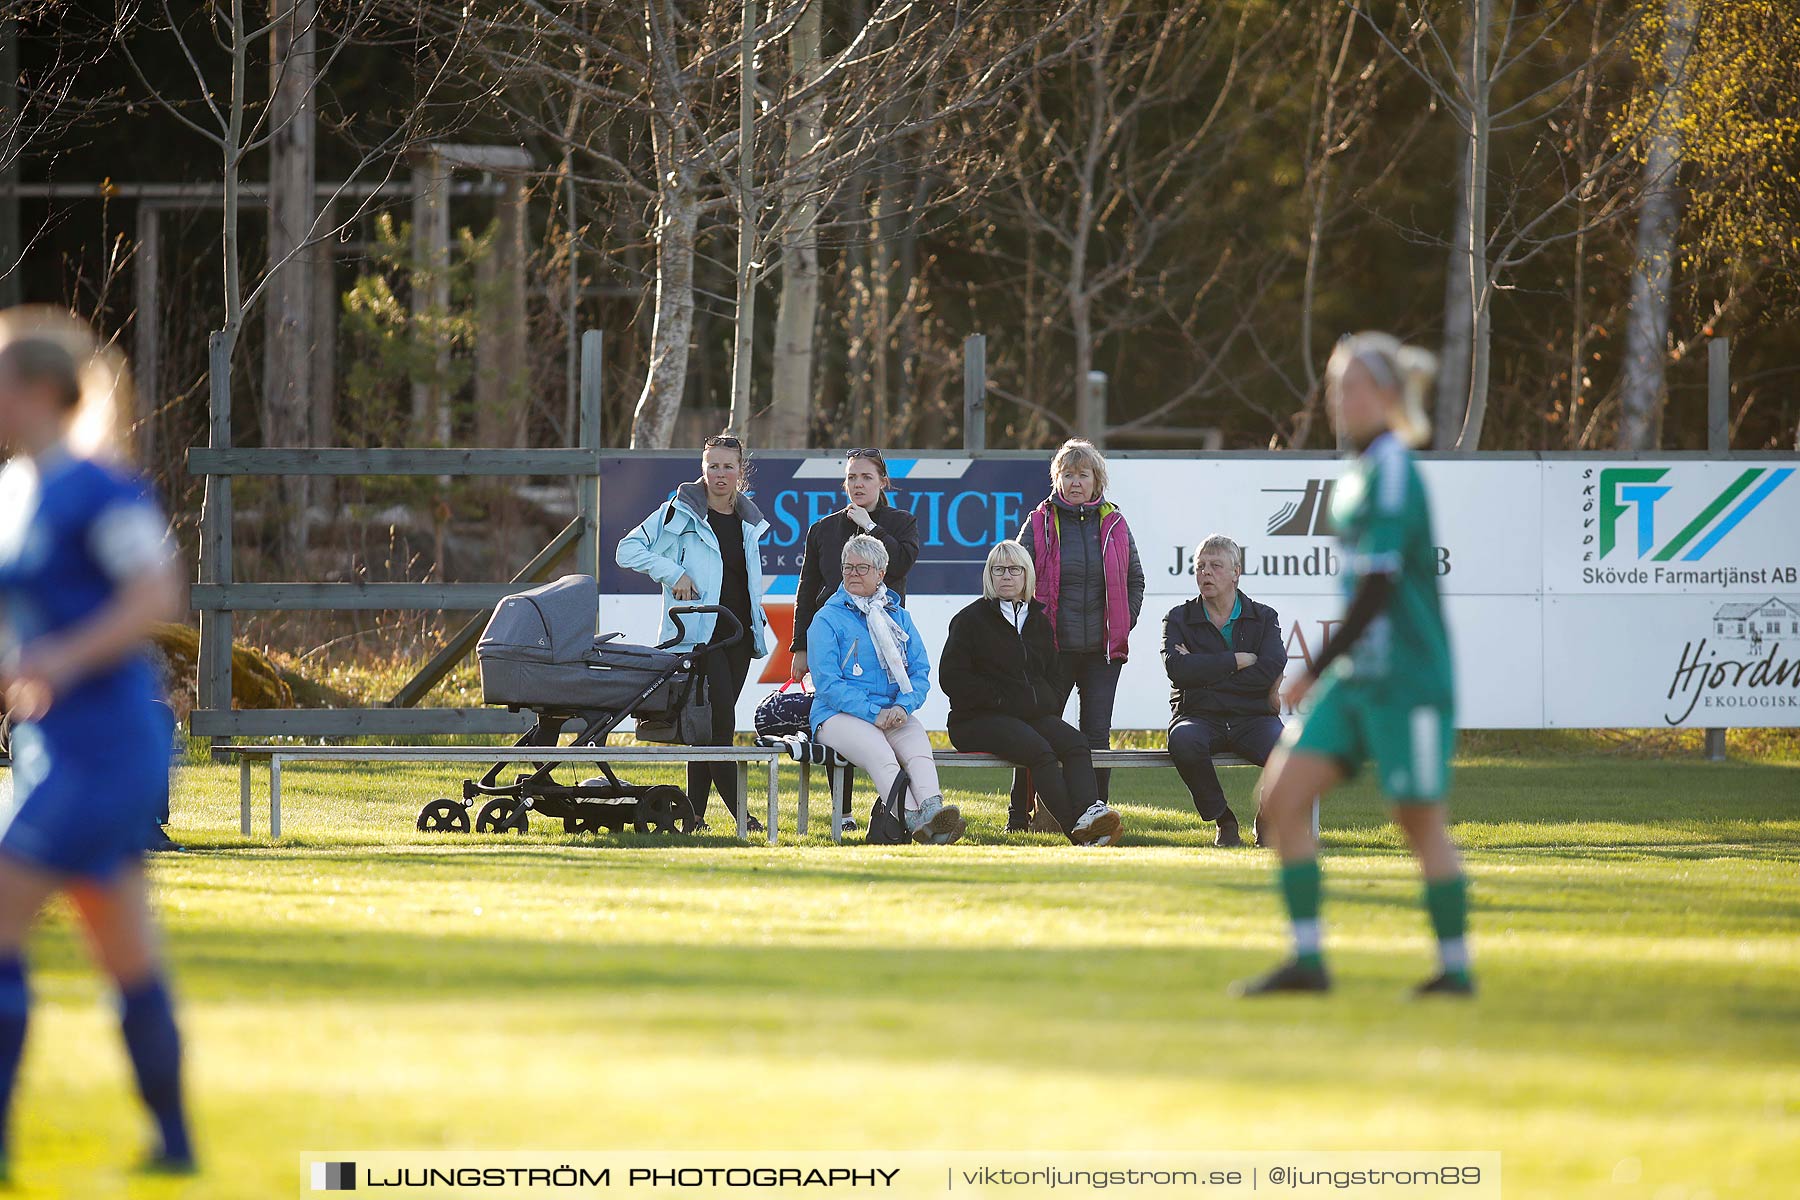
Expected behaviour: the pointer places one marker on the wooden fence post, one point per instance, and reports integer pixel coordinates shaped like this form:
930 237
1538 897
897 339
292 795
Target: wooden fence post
587 487
213 686
975 392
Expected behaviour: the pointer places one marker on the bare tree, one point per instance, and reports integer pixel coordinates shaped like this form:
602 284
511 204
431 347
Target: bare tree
1647 328
1476 87
39 108
797 311
1105 159
670 72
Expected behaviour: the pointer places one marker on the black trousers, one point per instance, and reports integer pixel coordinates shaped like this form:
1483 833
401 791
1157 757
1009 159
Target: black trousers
725 675
1098 681
1192 741
1053 755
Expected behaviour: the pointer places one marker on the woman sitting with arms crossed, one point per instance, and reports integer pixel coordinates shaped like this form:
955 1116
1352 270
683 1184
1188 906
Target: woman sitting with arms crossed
870 675
999 671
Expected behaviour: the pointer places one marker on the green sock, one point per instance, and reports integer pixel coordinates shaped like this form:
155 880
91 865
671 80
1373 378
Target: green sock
1447 902
1300 887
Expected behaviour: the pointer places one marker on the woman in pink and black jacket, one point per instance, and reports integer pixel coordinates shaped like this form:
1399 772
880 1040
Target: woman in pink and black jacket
1091 584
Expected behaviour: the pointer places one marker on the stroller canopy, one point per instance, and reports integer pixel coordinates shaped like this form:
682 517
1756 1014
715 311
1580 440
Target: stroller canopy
539 651
552 623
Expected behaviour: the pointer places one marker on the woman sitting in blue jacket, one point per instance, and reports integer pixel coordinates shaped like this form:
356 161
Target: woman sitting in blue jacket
701 545
871 675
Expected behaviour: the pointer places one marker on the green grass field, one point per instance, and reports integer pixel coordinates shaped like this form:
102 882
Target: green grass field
361 986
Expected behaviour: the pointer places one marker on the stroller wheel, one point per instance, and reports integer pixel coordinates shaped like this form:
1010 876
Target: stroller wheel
583 823
496 816
663 809
444 816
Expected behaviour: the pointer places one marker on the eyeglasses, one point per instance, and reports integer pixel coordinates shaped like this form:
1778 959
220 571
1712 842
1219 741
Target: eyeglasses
859 569
1008 572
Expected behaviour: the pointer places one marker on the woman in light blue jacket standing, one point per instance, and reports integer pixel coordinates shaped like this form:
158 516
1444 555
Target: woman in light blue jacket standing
701 546
872 674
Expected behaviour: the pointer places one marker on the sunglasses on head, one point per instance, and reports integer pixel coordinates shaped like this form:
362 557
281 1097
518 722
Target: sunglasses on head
865 452
725 440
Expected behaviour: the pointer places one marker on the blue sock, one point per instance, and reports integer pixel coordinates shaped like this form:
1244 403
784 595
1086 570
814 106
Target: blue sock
15 1001
147 1017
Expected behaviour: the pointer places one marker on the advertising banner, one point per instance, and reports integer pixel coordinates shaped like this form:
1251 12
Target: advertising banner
1577 593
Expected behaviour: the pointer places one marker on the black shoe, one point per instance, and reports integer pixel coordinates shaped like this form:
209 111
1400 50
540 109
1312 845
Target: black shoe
752 825
1018 822
160 842
1446 984
1227 834
848 824
160 1164
1288 977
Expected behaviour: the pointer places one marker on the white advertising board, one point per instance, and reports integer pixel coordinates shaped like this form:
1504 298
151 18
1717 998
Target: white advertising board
1578 593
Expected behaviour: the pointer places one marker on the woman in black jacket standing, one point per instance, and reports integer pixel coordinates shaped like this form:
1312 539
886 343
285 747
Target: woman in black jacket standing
821 569
998 669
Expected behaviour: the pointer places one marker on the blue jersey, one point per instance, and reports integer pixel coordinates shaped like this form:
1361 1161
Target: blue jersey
91 776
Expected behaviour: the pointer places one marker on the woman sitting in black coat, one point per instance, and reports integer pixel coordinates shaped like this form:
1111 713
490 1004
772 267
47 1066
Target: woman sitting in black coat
998 669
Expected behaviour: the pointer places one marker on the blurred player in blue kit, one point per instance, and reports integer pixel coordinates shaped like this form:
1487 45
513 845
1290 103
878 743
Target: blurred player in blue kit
86 570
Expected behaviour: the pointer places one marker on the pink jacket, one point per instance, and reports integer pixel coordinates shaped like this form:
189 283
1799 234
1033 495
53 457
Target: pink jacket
1115 556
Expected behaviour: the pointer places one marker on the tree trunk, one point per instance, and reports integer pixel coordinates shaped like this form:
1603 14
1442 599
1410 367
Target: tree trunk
1459 299
1088 419
431 295
288 316
677 219
501 366
1647 327
744 327
12 290
796 314
1481 324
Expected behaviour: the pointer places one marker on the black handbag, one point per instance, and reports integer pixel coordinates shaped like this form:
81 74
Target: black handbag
691 722
887 823
783 713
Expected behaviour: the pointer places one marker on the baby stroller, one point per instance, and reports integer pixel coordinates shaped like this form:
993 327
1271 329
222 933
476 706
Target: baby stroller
539 653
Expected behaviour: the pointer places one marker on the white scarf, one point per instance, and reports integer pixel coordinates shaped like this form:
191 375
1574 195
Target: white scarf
884 635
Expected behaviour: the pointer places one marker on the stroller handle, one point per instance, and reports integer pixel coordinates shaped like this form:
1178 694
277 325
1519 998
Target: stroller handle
675 614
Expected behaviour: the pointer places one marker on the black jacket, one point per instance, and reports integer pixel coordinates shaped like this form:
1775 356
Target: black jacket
1206 679
822 568
988 666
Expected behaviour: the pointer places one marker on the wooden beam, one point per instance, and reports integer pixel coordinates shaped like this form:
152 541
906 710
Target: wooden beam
464 639
354 722
350 461
464 156
345 597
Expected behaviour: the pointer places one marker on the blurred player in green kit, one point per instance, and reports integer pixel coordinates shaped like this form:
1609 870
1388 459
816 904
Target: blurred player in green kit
1382 688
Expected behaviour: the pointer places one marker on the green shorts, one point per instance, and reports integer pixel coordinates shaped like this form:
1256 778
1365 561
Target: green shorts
1411 746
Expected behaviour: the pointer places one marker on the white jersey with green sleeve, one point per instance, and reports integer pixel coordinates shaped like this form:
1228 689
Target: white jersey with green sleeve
1384 522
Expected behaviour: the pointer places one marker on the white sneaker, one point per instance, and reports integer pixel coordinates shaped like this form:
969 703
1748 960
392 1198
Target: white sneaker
1098 826
932 819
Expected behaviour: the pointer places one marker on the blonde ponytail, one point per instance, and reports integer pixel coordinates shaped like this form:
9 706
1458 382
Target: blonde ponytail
1404 370
92 374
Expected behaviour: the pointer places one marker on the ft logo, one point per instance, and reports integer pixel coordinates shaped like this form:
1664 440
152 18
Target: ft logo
1629 496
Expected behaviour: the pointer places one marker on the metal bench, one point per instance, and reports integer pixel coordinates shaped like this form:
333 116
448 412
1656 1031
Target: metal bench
743 756
838 773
